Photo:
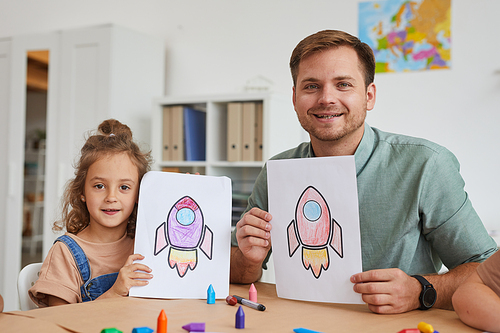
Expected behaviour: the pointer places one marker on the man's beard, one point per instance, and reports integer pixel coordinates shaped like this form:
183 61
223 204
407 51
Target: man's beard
333 132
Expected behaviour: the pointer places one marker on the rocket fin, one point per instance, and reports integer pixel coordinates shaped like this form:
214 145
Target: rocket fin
293 242
337 242
160 239
207 243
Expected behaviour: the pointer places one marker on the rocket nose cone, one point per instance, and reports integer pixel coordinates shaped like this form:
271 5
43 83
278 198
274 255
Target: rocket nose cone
311 205
313 218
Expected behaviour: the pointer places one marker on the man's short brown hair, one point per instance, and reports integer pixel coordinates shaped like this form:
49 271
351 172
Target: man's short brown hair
326 39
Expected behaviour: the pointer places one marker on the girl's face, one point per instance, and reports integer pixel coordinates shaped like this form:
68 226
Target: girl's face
111 191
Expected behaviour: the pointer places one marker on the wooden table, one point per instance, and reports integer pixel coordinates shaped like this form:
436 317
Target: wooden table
281 315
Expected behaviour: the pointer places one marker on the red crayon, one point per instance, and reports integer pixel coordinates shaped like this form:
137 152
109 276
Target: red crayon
162 323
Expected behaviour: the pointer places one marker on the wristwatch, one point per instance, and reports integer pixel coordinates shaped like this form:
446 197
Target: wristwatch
428 295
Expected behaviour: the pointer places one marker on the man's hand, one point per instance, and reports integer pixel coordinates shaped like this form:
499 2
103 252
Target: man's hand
253 235
131 274
388 290
254 242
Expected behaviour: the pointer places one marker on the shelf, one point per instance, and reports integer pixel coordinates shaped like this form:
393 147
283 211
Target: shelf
277 117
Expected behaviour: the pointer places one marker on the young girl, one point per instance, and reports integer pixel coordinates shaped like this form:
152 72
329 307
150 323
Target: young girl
94 259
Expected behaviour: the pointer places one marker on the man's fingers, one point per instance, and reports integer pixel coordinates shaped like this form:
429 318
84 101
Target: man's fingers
261 214
376 275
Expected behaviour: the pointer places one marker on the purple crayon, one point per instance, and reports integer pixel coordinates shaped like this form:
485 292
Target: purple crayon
194 327
240 318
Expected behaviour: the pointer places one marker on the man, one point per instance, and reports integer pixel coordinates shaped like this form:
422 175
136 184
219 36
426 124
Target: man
414 212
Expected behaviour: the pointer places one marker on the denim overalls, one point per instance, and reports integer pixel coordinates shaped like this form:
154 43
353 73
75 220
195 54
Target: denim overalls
92 288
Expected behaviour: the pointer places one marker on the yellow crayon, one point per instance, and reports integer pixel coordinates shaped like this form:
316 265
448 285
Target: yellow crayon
425 328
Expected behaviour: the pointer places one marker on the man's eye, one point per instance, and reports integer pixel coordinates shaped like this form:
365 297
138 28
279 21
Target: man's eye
312 86
343 85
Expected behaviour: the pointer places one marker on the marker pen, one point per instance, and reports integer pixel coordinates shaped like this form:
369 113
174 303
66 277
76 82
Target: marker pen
253 305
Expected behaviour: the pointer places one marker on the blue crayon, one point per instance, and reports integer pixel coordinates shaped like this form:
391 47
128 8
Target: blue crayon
304 330
210 295
142 330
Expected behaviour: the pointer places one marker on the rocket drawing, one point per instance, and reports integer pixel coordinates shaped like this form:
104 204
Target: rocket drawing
314 229
185 231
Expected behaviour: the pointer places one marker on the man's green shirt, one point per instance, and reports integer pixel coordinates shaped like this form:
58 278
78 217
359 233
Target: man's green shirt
414 212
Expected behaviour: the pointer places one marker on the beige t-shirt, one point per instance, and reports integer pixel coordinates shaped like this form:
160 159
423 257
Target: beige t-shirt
489 272
59 275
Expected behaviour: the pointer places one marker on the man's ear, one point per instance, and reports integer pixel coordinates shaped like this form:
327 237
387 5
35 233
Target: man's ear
294 96
371 94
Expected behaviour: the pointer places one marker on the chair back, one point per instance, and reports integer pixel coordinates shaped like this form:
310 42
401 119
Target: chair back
27 278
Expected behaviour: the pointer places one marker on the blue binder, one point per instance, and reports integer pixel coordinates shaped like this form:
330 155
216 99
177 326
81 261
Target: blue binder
195 134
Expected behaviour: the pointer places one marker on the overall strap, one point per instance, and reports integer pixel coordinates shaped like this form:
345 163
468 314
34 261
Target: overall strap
80 258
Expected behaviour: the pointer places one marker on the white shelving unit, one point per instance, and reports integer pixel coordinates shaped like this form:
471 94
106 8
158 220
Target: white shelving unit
34 180
281 131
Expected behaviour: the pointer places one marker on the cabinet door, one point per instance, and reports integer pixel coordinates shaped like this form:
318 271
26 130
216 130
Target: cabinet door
85 66
5 228
108 72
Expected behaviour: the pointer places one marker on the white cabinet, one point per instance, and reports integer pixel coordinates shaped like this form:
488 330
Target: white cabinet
280 131
95 73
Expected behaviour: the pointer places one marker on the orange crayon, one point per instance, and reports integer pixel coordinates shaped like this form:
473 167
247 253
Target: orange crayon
162 323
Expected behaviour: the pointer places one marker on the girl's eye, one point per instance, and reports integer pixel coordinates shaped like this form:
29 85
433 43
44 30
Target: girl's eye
124 187
99 186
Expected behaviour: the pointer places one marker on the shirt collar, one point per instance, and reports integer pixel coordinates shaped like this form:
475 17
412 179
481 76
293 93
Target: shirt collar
365 149
362 153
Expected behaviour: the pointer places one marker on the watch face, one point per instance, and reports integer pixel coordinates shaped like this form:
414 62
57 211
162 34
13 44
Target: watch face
429 297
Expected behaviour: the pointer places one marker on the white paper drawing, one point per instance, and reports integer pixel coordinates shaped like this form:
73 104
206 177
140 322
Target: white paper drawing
183 230
315 235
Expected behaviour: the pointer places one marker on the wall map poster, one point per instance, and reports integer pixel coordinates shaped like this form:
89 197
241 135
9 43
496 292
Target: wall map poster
407 35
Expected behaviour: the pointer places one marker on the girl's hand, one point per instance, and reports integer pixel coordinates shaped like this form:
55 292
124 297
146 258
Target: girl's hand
131 274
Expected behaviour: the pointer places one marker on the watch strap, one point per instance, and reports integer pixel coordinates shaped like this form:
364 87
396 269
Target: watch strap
426 285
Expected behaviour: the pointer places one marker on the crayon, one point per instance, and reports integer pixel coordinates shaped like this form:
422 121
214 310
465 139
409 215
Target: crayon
252 293
425 328
162 323
240 318
304 330
194 327
210 295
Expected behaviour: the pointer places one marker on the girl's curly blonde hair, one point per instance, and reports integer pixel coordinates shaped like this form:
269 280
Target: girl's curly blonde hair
112 137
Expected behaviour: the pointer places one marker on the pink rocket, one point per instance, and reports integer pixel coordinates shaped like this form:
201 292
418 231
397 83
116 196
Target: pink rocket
314 229
185 230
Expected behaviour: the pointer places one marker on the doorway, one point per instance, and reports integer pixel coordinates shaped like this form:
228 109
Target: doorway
34 157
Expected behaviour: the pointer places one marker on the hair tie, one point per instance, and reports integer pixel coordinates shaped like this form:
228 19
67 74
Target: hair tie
111 135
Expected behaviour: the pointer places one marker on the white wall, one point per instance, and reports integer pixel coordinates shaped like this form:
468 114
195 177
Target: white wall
216 46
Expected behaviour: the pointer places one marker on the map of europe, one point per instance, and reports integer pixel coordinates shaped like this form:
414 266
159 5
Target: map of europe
407 35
